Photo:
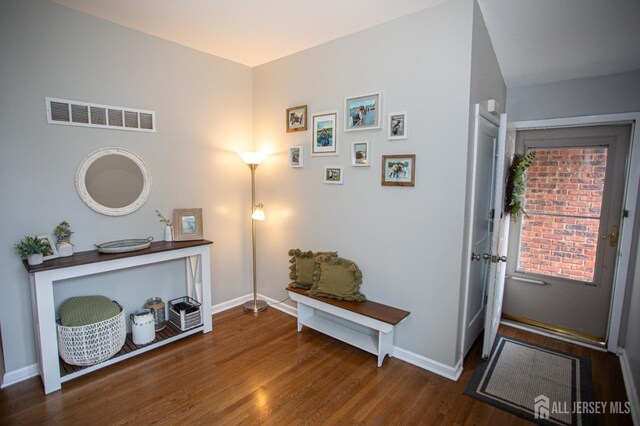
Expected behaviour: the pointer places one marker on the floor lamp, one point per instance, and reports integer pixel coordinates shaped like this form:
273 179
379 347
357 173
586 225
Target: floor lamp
253 159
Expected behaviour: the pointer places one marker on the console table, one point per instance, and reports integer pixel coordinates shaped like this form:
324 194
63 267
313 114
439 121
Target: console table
43 277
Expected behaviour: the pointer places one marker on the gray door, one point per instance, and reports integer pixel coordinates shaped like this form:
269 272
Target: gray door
562 252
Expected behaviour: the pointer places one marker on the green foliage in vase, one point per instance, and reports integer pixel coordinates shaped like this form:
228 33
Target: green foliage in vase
33 245
163 219
63 232
514 202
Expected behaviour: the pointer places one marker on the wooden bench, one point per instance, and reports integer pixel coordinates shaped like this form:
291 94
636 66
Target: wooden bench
365 325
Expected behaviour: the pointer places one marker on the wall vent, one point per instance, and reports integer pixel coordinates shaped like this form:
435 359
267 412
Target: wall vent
76 113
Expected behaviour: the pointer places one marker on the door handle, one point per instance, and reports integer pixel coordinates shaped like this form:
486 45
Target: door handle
613 236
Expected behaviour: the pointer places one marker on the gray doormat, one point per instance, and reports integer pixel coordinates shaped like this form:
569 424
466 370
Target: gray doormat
535 383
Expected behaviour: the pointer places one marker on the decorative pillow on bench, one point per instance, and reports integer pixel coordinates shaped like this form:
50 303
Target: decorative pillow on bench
337 278
302 267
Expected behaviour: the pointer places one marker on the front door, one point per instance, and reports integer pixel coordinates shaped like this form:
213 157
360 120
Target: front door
562 251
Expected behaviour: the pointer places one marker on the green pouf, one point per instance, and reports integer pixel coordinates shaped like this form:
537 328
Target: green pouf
85 310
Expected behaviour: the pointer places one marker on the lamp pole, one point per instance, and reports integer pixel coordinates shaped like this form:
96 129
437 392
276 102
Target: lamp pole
254 305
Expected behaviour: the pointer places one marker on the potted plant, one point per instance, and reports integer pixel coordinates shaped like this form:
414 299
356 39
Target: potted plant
63 232
34 249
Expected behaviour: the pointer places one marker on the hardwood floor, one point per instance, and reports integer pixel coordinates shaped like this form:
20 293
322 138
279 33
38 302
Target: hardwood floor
258 369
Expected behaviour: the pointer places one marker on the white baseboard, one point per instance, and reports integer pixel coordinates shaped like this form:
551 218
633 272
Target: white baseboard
630 386
276 304
16 376
287 309
230 303
428 364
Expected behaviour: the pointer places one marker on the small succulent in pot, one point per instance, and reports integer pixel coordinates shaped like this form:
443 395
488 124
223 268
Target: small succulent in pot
63 232
34 249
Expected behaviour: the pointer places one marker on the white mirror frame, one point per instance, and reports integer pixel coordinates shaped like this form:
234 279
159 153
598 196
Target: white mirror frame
89 201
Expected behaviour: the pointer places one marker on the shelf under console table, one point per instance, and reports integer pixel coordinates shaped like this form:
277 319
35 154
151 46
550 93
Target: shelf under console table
43 277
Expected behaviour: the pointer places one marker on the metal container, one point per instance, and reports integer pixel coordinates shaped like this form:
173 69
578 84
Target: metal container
156 306
142 327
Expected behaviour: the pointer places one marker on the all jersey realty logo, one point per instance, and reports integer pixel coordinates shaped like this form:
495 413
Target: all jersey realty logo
543 407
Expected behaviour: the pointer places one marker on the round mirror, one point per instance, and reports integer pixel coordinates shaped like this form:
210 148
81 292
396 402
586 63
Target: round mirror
113 181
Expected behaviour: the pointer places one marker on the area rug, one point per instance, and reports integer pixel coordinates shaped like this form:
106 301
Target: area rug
538 384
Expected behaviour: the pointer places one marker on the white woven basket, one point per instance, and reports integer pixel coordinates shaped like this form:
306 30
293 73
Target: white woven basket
93 343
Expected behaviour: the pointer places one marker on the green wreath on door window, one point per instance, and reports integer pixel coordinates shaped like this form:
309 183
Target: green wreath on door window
516 181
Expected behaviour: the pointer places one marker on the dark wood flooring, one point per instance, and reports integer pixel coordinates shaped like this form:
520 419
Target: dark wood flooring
258 369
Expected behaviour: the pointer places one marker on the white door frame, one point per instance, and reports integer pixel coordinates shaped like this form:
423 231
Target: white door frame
630 203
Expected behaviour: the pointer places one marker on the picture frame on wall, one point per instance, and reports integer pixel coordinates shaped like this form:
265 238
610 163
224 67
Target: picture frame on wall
325 134
187 224
362 112
397 125
296 119
333 175
398 170
296 156
52 247
360 154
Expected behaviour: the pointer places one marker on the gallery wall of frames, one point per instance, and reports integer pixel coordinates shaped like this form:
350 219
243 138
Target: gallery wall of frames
359 114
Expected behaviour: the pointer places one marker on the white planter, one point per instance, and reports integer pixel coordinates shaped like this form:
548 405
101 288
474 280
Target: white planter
168 233
65 249
35 259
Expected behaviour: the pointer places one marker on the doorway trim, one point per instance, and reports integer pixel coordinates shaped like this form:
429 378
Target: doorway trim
630 203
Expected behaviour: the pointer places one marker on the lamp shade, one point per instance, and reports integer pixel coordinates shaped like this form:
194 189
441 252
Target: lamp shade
258 212
252 157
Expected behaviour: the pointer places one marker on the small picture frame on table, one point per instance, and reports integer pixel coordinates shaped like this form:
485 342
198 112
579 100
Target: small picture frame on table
53 250
362 112
187 224
397 124
398 170
325 134
296 156
360 154
297 119
333 175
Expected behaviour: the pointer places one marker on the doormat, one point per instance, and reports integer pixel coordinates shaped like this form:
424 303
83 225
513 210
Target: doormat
535 383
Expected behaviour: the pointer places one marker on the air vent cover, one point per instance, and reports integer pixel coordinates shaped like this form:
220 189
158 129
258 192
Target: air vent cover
76 113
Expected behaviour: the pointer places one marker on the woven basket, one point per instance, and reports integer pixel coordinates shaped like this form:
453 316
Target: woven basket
93 343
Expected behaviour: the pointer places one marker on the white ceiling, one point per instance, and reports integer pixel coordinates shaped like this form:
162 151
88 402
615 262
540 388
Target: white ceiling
536 41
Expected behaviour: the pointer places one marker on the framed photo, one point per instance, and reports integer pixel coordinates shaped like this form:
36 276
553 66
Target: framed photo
296 156
297 118
325 135
362 112
333 175
398 170
52 246
360 154
187 224
397 124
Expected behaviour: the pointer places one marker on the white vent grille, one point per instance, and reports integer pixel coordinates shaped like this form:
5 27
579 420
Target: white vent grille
76 113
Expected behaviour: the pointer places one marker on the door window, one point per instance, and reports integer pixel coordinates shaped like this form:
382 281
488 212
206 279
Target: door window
563 205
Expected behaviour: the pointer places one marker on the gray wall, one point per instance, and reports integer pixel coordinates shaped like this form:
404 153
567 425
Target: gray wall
203 106
631 327
572 98
407 241
486 82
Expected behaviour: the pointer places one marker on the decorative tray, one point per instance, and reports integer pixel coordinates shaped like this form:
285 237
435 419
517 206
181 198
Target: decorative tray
124 246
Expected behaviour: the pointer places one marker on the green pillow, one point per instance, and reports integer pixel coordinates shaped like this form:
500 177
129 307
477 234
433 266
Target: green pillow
85 310
302 267
337 278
